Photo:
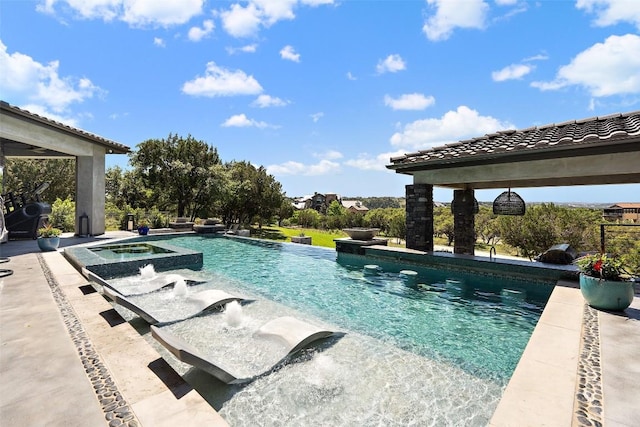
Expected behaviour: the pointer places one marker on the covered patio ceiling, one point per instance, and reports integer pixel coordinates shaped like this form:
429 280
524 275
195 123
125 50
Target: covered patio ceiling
593 151
27 135
24 134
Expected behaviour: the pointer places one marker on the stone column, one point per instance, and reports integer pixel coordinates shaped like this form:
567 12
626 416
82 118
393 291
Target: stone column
90 191
419 217
463 222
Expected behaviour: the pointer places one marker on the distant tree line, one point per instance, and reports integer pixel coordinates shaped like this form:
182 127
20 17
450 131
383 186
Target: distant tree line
390 221
185 177
174 176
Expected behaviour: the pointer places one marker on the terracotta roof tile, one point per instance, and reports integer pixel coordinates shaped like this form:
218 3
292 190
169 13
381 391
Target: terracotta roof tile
572 134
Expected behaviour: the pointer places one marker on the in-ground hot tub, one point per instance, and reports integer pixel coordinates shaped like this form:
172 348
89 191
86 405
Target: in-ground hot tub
124 258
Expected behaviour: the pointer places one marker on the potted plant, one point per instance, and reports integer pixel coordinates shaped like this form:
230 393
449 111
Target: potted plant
48 238
143 227
604 282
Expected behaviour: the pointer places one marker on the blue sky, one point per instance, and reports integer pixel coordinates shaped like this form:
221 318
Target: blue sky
324 92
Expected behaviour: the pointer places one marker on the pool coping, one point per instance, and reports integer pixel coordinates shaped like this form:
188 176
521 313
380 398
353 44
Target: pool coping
155 393
86 258
542 390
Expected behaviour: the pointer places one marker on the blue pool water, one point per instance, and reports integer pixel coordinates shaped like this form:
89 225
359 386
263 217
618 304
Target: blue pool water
437 350
480 324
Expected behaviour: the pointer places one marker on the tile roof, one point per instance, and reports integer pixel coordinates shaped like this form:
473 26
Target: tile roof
576 134
355 204
115 146
626 206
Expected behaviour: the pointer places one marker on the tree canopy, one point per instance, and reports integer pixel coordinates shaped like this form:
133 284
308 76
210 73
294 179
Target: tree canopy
178 170
24 175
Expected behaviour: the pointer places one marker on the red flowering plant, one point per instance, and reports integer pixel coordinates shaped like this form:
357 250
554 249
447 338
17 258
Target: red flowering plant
603 266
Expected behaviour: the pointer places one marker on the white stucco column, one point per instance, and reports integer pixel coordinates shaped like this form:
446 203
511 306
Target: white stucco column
90 187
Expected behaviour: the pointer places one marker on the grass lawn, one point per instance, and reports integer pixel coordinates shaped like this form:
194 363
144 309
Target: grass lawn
325 238
283 234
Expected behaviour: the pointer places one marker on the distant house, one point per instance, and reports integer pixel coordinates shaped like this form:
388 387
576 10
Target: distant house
622 212
321 202
355 206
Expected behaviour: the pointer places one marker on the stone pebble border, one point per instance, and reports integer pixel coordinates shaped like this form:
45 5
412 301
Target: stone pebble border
116 410
587 409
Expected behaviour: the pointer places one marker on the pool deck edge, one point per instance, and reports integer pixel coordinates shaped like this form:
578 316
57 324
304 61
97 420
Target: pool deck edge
157 395
548 385
97 353
43 382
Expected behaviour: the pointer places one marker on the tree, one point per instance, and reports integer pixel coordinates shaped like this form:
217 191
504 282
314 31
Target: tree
250 194
398 224
486 224
545 225
24 175
377 218
443 223
354 219
286 211
177 170
307 218
381 202
336 216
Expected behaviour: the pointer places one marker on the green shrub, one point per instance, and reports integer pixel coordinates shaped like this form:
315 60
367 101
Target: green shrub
63 214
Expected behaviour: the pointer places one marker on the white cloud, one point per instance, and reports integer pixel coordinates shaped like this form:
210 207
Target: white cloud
391 64
453 126
367 162
323 167
241 21
276 10
329 155
246 21
605 69
450 15
316 116
264 101
539 57
612 12
409 101
40 86
250 48
219 81
159 42
351 76
512 72
289 53
137 13
242 121
196 33
314 3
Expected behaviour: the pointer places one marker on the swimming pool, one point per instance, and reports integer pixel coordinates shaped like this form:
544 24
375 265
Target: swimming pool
435 350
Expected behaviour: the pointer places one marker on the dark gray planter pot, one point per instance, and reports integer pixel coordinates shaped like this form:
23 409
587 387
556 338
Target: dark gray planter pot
305 240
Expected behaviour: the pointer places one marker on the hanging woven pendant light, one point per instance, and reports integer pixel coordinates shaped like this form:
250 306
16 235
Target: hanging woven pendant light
509 203
476 207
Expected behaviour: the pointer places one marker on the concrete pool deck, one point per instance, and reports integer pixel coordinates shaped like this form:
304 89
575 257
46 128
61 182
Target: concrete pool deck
66 358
